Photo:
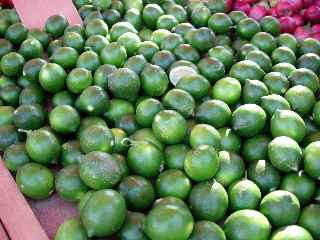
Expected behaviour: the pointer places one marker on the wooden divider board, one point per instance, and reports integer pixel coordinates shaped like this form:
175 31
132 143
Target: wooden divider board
34 13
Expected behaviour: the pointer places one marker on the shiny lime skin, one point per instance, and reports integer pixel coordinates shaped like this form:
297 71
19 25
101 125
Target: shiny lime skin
136 63
287 123
144 158
151 13
309 219
246 69
264 41
29 117
248 120
66 57
195 84
69 185
101 75
70 153
10 94
229 140
261 58
180 101
72 228
128 123
244 194
270 25
55 25
291 232
211 68
175 156
137 191
208 201
93 101
283 55
305 77
43 146
223 54
31 48
6 115
154 80
227 85
146 134
146 110
173 183
281 208
117 109
310 45
32 68
52 77
309 61
96 27
104 213
276 82
88 60
253 91
35 181
114 54
213 112
16 33
207 230
204 134
118 136
119 28
187 52
248 27
64 119
12 64
169 127
78 80
62 98
255 148
15 156
310 159
163 59
300 185
148 49
247 225
8 136
99 170
168 222
96 138
264 175
237 16
96 43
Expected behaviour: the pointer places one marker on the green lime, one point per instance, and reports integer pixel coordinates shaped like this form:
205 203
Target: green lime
12 64
78 80
52 77
276 82
309 219
264 41
264 175
200 16
261 58
88 121
76 28
35 181
71 228
145 34
118 135
202 39
246 48
144 158
183 28
16 33
229 140
311 161
204 134
281 208
101 75
146 110
150 14
40 35
43 146
310 45
273 103
120 28
208 201
6 115
246 70
53 46
187 52
154 80
171 41
74 40
114 54
227 85
283 55
302 186
99 170
244 194
253 91
270 25
169 126
124 83
148 49
309 61
167 22
305 77
137 191
70 153
231 168
220 23
211 68
29 117
102 4
146 134
96 43
134 16
32 68
167 201
10 94
15 156
207 230
136 63
248 120
178 12
133 227
8 136
117 109
5 47
96 27
195 84
168 222
66 57
64 119
223 54
197 158
88 60
68 184
250 223
93 100
255 148
31 48
247 28
62 98
180 101
237 16
287 123
163 59
292 232
103 213
284 68
301 99
55 25
130 41
288 40
175 156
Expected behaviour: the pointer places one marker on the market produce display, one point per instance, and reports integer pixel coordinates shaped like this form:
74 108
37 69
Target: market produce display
168 120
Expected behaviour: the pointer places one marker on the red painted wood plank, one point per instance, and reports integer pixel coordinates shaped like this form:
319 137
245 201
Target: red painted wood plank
3 234
34 13
15 213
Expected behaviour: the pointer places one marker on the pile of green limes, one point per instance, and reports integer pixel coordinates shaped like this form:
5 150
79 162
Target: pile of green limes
170 119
